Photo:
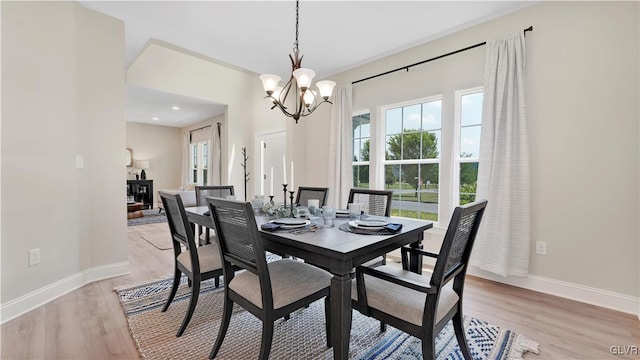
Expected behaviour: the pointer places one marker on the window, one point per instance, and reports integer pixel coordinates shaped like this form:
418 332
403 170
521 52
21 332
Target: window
412 157
427 157
469 123
361 147
199 161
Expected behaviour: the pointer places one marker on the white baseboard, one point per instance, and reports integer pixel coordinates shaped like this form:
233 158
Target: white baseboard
25 303
603 298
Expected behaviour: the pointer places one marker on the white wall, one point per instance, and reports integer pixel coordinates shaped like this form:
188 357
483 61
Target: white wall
583 104
162 146
63 91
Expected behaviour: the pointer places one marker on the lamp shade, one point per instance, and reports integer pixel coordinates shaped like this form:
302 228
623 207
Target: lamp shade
326 88
308 97
142 164
269 82
304 77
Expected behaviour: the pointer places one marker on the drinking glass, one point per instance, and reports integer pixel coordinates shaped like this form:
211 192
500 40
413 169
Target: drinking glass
329 215
354 211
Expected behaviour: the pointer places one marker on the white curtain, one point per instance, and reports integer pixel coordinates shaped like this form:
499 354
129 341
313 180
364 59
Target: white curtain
503 175
214 175
340 148
186 140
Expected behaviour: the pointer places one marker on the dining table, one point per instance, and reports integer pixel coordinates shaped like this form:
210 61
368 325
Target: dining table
339 252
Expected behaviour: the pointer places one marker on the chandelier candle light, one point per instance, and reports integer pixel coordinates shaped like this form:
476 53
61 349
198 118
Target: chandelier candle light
305 101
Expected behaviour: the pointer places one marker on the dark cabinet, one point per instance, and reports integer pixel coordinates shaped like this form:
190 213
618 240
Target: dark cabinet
142 191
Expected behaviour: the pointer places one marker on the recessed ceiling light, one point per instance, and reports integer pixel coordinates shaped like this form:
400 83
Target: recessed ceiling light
154 118
176 108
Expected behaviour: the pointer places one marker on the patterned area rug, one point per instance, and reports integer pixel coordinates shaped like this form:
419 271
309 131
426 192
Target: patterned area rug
301 337
151 216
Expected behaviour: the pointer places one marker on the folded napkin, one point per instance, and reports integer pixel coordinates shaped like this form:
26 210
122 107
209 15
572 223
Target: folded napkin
393 226
269 226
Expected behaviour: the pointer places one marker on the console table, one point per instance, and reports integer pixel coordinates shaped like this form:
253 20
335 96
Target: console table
142 191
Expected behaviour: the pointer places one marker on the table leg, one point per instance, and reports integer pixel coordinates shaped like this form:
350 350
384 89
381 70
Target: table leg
415 261
340 315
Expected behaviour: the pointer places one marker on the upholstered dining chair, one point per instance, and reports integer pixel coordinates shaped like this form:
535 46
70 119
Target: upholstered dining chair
267 290
373 202
202 193
311 193
197 263
421 305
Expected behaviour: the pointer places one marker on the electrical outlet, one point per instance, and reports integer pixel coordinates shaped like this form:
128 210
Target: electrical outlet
541 247
34 257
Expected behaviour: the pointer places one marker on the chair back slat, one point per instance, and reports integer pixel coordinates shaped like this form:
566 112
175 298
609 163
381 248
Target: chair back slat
238 234
373 202
311 193
458 241
203 192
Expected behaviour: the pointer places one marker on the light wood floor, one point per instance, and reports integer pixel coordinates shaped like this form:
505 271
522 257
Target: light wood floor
89 324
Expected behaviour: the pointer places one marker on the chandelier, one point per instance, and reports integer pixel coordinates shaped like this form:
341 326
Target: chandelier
303 100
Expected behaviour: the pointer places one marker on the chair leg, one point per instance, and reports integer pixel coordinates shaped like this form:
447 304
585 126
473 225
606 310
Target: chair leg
327 319
267 338
216 281
174 289
429 348
224 325
195 291
458 327
287 317
383 326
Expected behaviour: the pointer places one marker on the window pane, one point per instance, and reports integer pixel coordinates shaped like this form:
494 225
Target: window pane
356 127
356 149
468 182
391 176
204 177
411 118
431 145
432 115
470 141
194 179
365 127
365 146
361 176
393 121
411 145
205 155
394 147
471 109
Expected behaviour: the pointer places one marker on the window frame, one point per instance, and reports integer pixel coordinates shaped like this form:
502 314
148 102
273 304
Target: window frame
197 161
371 137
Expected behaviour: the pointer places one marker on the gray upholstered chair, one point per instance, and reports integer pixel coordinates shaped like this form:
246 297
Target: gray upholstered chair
197 263
269 291
421 305
311 193
202 193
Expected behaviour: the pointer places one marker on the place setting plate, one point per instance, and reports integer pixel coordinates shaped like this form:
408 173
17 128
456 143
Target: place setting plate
368 224
290 223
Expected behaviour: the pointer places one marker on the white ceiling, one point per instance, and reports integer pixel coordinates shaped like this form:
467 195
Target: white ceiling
259 35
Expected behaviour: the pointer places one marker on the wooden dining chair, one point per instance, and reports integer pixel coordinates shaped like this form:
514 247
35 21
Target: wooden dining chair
373 202
197 263
421 305
311 193
267 290
202 193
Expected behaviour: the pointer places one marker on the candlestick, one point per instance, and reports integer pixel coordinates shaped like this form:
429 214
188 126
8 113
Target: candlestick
271 200
291 197
284 189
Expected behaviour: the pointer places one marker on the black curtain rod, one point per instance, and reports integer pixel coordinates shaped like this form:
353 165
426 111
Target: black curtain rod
204 127
530 28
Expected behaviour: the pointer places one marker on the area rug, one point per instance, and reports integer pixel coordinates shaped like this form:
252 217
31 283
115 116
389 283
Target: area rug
161 240
301 337
151 216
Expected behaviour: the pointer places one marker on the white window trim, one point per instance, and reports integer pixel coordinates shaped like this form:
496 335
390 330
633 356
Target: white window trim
200 169
455 193
371 137
381 141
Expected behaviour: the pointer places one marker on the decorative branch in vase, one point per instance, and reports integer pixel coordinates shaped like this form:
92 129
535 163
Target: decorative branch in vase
246 174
